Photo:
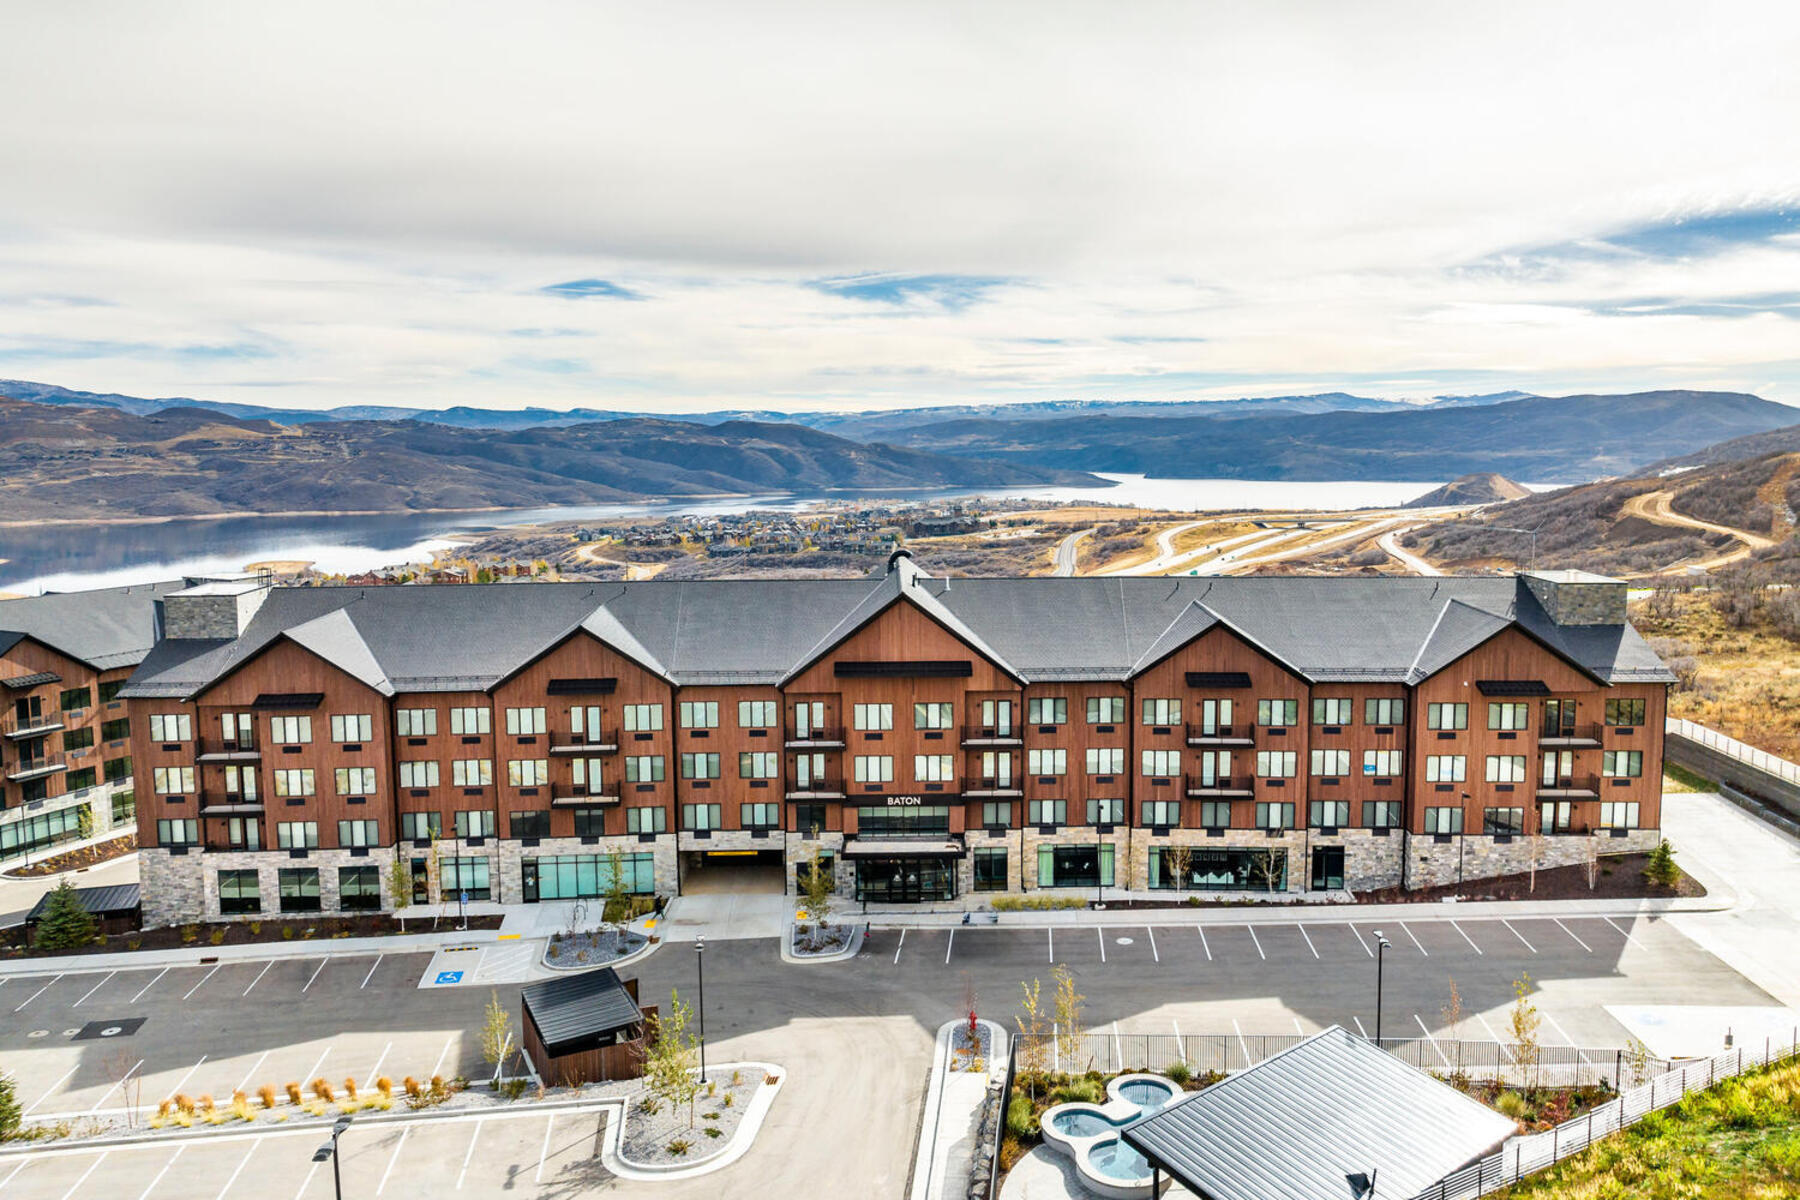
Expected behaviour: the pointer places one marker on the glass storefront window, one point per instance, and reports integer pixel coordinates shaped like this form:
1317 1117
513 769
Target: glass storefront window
1075 866
1222 870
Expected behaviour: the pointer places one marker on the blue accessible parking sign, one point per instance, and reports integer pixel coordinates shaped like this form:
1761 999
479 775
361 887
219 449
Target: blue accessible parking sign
446 977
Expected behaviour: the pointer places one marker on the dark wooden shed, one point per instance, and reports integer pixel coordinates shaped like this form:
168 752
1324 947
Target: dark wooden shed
116 907
585 1028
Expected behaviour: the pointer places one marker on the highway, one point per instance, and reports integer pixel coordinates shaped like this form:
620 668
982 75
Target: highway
1066 551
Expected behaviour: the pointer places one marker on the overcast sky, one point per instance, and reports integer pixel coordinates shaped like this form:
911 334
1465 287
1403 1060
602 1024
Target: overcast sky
669 206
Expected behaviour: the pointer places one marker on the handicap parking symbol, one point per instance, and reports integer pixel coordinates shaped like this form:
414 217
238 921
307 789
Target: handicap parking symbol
448 977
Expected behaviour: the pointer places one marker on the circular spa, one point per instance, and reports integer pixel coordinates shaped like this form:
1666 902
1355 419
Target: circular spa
1089 1135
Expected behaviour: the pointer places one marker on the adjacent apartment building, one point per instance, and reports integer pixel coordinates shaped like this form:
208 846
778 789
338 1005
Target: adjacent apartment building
65 733
933 739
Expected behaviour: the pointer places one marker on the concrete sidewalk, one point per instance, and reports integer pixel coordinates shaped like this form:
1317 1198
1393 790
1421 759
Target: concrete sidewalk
1756 937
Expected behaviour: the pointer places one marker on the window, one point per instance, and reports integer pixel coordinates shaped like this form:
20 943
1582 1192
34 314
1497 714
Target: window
567 876
1329 814
177 831
1162 814
468 876
700 816
115 769
759 764
873 718
299 889
418 774
529 825
1622 764
1047 762
528 772
1627 713
809 772
934 768
646 820
1381 814
119 730
475 822
997 715
1275 764
172 781
758 714
1333 764
874 768
1446 716
588 776
1384 712
1215 716
290 731
1106 760
1049 710
1075 866
1215 814
359 728
1506 768
1502 821
700 766
760 814
1446 768
1331 712
240 782
1162 764
996 814
1385 763
1508 715
170 727
699 714
75 699
471 721
933 716
1047 812
1162 712
407 724
1555 816
809 719
109 691
525 722
1618 814
297 835
421 825
239 893
1106 812
643 718
472 772
1274 814
79 781
990 869
77 739
1106 710
1443 820
996 769
925 820
359 833
359 889
355 781
1277 712
584 724
243 833
644 768
124 807
1559 718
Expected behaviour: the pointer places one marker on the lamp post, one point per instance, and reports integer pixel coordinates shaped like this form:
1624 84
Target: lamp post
1381 945
700 979
330 1150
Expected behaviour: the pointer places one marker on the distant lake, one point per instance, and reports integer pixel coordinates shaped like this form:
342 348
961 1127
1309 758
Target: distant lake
68 557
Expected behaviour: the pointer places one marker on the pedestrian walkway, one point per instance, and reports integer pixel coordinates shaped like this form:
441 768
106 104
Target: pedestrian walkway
724 916
1715 839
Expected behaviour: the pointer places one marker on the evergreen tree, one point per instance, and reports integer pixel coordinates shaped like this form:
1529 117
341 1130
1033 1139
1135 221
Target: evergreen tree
65 923
1660 868
11 1115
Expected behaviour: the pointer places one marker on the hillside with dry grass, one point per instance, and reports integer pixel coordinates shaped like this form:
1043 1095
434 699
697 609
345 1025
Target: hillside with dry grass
1736 651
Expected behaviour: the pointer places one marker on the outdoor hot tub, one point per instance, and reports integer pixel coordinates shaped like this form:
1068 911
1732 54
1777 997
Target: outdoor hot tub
1089 1135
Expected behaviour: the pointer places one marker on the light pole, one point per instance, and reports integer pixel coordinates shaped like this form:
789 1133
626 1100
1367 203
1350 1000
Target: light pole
330 1150
1531 533
1381 945
700 978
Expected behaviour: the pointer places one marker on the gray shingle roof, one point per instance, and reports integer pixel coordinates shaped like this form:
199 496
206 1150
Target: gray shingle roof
104 628
761 631
1296 1126
110 898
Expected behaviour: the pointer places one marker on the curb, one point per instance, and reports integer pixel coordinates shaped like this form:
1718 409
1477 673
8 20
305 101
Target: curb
642 952
852 946
197 956
738 1146
12 876
926 1185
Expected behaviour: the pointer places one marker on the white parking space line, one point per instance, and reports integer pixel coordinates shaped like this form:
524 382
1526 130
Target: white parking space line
259 975
314 1073
1258 941
149 985
37 993
307 1182
1519 935
94 989
1626 932
1359 940
1564 1034
321 967
1466 937
1299 1028
14 1171
545 1152
176 1090
120 1084
900 946
1153 954
189 993
1308 938
1118 1046
948 946
1180 1046
1102 934
371 974
76 1186
398 1146
53 1088
1490 1029
238 1170
1049 942
1432 1040
1415 940
251 1073
1359 1026
438 1069
1244 1045
1571 933
467 1155
375 1071
1203 943
161 1173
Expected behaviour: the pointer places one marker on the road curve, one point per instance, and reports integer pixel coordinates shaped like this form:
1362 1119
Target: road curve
1390 542
1065 553
1655 508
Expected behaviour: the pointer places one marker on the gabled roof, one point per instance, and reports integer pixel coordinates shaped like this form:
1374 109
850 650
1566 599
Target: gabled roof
104 628
335 638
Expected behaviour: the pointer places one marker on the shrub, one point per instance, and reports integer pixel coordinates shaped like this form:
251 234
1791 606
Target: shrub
514 1088
323 1090
726 1099
1179 1072
162 1110
240 1108
385 1086
293 1093
206 1103
679 1147
411 1087
350 1087
649 1106
1011 1151
266 1094
1511 1104
255 927
11 1115
189 934
1036 903
217 936
287 933
713 1133
184 1104
1021 1121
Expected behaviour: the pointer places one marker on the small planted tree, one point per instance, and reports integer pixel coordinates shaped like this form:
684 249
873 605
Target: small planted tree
66 923
11 1114
1067 1005
818 893
1534 846
1032 1034
496 1033
434 877
1452 1013
400 886
1660 868
618 896
1523 1022
1177 861
672 1059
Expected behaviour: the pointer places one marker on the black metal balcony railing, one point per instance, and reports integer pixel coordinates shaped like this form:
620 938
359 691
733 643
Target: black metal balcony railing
1220 735
240 749
1587 734
1571 786
991 735
820 787
1003 785
36 768
1219 785
817 735
598 741
580 795
17 726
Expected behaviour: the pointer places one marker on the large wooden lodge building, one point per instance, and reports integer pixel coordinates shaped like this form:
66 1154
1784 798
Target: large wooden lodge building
936 739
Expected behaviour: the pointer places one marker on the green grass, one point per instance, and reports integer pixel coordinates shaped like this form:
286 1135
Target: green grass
1737 1141
1680 779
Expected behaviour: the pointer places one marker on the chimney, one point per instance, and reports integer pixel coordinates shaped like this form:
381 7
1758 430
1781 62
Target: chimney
211 608
1578 597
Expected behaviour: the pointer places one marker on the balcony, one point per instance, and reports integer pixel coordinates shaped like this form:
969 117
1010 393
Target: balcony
992 735
17 728
605 741
817 789
579 795
222 750
822 738
1220 735
993 789
215 803
1575 787
1572 737
1220 785
36 768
